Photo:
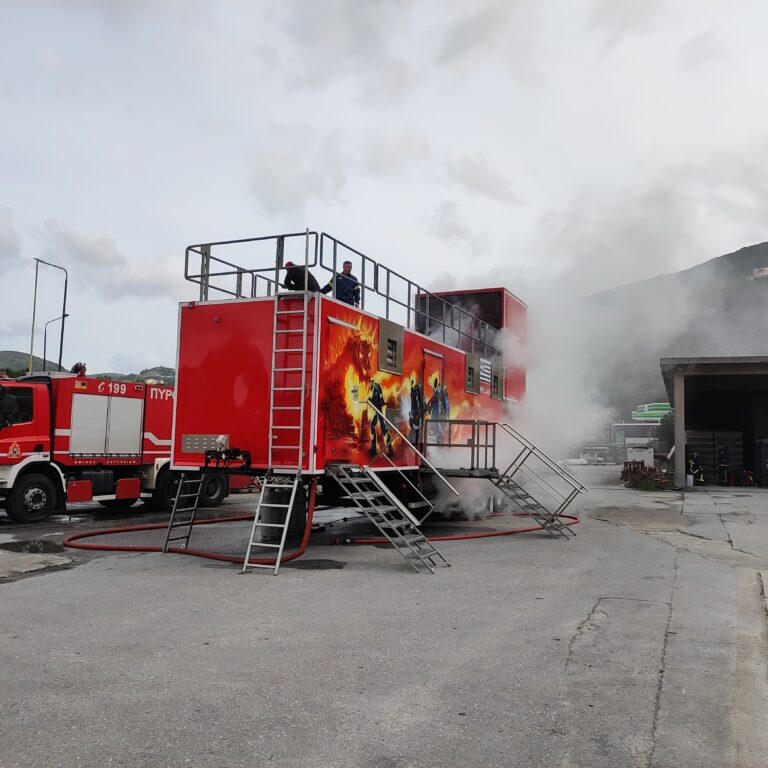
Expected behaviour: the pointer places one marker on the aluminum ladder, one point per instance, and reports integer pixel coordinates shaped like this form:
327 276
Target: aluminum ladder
287 423
372 497
270 483
184 510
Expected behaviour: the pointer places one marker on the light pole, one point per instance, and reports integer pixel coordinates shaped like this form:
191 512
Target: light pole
45 341
63 310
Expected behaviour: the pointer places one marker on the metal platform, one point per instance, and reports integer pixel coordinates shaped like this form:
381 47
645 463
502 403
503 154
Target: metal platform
383 291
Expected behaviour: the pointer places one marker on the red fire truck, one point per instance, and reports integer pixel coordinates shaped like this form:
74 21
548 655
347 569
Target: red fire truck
65 438
300 381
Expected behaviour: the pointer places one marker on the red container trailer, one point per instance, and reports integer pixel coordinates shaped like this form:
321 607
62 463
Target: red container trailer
289 378
66 438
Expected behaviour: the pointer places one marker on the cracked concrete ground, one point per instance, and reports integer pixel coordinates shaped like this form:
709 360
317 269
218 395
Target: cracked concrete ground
641 642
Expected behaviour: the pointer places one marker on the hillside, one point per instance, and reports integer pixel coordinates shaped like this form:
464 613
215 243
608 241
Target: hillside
712 309
19 361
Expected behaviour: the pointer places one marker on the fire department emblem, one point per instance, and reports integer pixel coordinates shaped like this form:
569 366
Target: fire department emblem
14 452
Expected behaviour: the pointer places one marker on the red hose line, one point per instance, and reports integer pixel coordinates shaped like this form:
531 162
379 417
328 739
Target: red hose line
71 540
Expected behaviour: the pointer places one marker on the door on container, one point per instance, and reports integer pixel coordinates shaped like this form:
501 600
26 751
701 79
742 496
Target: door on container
433 384
88 433
124 426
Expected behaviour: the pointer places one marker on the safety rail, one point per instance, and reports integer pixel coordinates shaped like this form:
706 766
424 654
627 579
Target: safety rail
543 457
382 290
481 441
426 461
406 302
529 467
522 473
413 486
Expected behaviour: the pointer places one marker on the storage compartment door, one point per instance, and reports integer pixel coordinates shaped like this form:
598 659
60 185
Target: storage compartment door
89 424
124 431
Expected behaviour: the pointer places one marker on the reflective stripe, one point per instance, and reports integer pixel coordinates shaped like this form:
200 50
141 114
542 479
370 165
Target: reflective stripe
156 440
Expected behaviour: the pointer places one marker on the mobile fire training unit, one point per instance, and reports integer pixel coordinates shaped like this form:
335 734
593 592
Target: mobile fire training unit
67 438
299 386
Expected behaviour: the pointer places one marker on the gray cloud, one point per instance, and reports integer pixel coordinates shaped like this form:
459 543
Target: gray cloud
300 167
344 39
475 33
94 260
392 151
597 243
701 50
10 242
476 174
449 225
620 19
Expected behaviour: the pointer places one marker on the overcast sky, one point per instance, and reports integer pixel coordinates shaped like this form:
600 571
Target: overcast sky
577 143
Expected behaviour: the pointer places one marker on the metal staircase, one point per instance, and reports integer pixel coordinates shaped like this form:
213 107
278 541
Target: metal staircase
395 523
184 510
549 521
534 482
534 472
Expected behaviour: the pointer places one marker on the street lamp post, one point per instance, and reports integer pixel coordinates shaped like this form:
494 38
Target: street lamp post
63 310
45 341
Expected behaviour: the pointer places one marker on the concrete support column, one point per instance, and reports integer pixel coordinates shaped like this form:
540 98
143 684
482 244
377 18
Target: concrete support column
679 396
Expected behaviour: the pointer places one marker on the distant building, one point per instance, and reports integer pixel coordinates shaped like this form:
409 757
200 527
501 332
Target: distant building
760 273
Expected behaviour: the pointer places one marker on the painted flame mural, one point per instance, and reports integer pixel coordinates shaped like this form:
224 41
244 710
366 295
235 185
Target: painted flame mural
432 385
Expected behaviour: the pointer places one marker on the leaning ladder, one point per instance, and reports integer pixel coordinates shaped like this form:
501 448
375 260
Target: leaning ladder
385 511
287 423
268 486
184 510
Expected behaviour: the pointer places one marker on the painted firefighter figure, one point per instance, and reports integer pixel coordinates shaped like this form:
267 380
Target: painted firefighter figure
439 408
376 398
416 416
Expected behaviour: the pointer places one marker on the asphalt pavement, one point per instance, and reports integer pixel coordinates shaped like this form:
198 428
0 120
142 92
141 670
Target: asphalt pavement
640 642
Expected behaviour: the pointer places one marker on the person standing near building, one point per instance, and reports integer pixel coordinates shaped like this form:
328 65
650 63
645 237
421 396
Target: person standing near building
347 286
723 460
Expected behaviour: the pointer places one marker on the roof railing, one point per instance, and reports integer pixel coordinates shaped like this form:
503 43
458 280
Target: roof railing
383 291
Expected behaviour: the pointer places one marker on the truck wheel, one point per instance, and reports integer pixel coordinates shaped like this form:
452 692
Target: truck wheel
165 491
214 491
32 500
118 503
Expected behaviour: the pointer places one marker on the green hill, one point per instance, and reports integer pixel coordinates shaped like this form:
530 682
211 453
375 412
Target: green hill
18 363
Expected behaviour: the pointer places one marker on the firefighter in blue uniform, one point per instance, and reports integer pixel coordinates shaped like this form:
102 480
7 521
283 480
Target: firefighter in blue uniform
347 286
376 398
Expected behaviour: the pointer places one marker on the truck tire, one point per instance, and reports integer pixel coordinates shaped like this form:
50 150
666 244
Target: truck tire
215 489
165 491
32 499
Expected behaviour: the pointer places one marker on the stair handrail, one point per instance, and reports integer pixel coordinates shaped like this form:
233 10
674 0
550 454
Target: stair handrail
412 446
551 463
405 477
549 489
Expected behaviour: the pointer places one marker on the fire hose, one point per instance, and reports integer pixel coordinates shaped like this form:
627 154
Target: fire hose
75 542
